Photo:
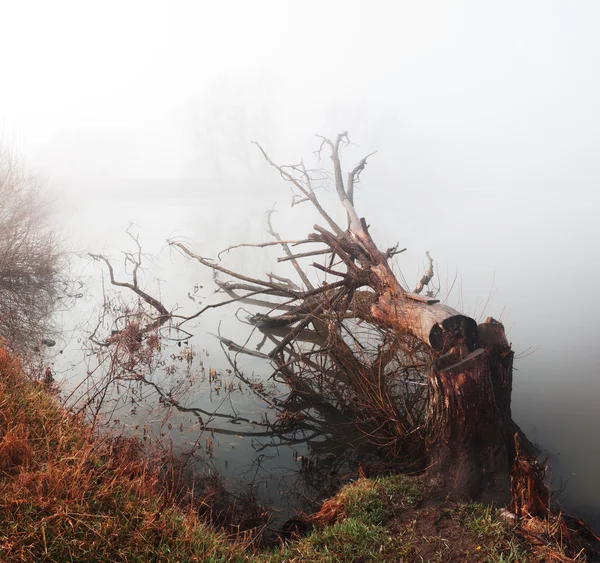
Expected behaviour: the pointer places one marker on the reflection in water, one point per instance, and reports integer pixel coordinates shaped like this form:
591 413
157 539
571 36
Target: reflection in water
233 421
290 462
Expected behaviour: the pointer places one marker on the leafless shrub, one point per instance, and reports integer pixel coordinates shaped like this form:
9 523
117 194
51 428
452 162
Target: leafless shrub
31 261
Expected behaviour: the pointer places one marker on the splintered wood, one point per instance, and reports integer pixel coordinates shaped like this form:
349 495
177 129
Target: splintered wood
530 495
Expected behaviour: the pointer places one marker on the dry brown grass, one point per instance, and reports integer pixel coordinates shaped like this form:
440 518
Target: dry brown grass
68 495
15 450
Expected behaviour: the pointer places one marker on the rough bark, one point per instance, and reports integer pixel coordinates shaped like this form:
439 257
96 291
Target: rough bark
473 444
492 338
436 324
466 450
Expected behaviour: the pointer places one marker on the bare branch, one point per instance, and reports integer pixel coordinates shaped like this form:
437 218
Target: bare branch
336 246
305 254
255 289
354 175
346 198
288 252
335 157
257 302
285 281
164 314
261 245
216 305
427 277
233 347
307 192
329 270
390 252
210 264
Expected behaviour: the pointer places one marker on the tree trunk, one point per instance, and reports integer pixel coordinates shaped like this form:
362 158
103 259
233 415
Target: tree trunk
471 436
470 433
433 323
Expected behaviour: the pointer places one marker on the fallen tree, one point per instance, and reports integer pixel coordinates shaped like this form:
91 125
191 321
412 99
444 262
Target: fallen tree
421 379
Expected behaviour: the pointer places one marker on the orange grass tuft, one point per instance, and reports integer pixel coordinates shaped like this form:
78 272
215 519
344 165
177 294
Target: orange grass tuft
15 450
67 494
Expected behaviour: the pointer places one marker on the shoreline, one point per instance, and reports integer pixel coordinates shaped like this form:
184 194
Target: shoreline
67 494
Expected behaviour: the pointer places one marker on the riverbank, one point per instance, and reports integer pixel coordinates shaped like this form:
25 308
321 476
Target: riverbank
69 495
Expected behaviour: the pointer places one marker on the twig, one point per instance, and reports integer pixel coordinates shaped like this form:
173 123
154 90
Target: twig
260 245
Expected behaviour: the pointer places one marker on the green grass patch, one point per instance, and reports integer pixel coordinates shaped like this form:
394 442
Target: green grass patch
372 501
349 540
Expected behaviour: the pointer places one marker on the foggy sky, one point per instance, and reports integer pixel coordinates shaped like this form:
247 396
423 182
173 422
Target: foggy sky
485 116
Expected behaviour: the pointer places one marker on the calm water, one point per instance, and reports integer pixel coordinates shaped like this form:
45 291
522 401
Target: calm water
555 401
287 468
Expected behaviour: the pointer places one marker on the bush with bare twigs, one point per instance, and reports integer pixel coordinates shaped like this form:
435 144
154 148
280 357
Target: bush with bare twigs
31 261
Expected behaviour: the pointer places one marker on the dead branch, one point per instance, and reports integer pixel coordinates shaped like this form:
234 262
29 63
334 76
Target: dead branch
254 289
164 314
390 252
427 277
306 191
185 319
285 281
260 245
304 255
233 347
288 252
354 223
354 175
212 265
329 270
